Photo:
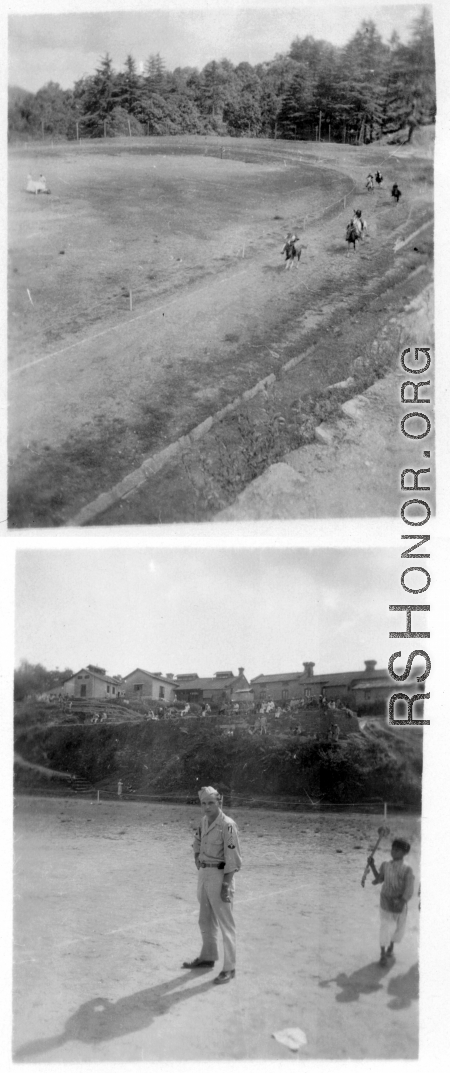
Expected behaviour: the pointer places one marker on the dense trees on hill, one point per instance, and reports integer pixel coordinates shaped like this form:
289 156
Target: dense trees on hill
354 93
33 678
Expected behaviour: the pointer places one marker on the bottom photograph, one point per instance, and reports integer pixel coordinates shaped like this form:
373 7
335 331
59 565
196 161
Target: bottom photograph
222 715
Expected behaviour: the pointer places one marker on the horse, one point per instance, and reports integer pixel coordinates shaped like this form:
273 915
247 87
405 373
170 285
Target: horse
378 178
369 183
359 223
293 251
395 192
352 236
37 186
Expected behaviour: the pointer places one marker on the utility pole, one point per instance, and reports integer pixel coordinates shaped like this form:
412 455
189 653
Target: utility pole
77 124
320 123
104 127
329 132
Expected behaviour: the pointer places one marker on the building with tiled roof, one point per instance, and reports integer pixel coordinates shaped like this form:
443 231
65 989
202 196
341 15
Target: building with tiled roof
357 689
214 691
150 686
91 682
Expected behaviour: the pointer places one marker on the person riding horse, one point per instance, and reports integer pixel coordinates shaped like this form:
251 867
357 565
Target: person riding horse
378 178
369 181
352 234
359 223
395 192
291 249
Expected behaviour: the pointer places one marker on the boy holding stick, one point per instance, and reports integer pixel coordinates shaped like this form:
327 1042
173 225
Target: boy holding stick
398 887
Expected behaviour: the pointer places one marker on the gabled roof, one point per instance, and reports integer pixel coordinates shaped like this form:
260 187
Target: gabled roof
210 683
289 676
93 674
352 676
339 678
150 674
370 683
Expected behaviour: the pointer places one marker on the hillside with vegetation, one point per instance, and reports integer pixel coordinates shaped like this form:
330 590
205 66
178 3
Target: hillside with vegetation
358 93
165 760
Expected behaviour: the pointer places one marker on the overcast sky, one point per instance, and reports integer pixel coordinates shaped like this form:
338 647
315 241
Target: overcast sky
203 610
63 47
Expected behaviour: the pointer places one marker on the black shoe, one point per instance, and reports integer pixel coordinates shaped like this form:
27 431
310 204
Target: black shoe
197 963
225 976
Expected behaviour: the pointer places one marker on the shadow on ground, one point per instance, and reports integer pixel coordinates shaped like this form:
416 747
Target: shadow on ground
361 982
99 1019
404 989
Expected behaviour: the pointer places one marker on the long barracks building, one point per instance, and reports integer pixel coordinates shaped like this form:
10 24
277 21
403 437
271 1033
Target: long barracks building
356 689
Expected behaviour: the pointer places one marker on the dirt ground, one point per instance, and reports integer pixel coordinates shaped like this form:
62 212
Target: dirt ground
100 934
197 239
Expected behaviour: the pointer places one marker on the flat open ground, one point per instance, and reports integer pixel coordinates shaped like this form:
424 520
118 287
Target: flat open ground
101 931
96 387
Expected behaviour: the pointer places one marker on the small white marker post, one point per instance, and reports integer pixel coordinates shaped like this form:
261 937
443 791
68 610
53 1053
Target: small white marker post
98 797
385 811
131 302
29 295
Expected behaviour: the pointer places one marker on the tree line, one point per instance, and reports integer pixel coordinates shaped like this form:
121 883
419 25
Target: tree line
354 93
30 679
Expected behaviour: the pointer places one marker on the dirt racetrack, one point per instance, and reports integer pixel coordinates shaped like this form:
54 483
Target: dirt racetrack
96 387
101 931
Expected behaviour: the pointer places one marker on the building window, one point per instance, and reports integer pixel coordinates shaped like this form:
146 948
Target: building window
284 694
107 689
307 692
161 692
137 688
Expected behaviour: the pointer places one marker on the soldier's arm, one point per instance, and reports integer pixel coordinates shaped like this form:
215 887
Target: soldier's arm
232 852
196 846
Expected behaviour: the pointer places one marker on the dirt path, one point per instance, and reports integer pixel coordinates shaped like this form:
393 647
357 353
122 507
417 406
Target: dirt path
101 405
101 931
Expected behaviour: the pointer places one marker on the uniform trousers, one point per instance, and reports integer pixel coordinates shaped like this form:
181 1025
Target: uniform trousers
215 914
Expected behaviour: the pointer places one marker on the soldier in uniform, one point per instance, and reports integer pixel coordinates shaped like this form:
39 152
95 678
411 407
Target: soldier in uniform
217 857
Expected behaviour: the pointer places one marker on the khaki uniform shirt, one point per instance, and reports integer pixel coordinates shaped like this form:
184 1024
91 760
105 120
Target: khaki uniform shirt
219 843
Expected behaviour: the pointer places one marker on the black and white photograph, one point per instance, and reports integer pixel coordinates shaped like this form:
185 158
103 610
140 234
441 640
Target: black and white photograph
223 543
267 819
220 240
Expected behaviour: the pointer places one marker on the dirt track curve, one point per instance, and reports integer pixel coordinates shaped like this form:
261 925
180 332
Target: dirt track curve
89 411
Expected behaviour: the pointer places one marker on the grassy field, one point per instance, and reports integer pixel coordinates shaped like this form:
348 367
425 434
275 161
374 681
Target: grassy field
97 386
151 219
101 932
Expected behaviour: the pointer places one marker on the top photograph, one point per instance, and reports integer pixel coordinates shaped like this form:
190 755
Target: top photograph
220 264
